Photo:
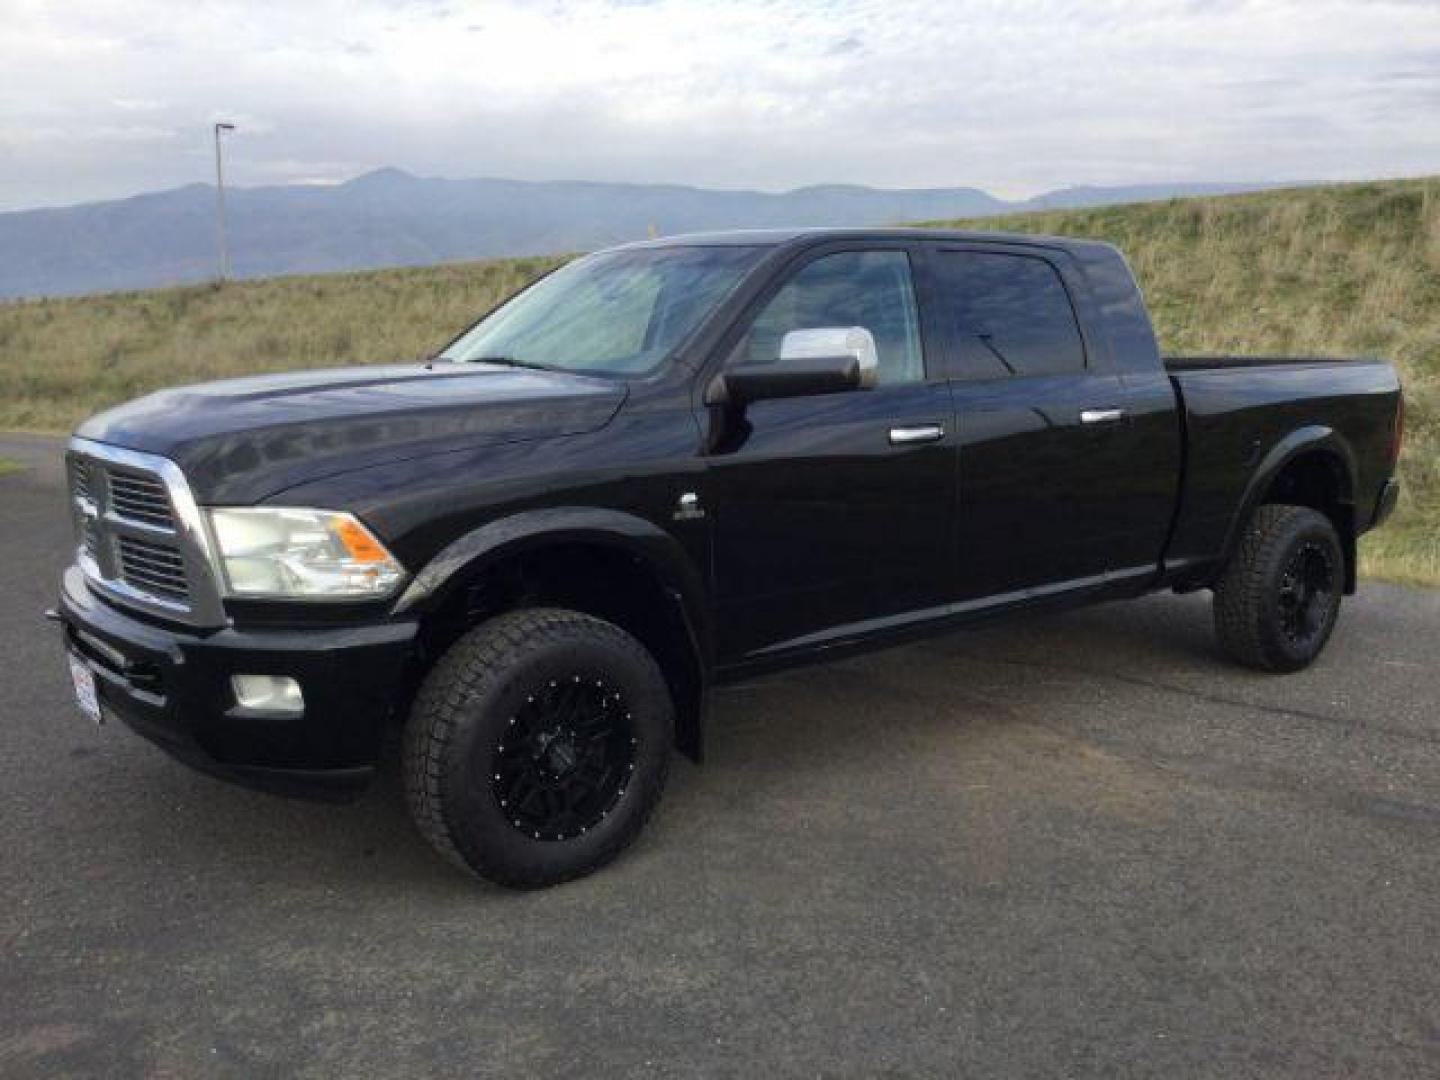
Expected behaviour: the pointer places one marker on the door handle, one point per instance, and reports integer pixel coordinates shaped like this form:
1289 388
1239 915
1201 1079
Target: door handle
920 433
1101 416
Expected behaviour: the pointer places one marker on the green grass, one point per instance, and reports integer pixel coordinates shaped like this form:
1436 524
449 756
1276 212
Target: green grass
7 466
1338 270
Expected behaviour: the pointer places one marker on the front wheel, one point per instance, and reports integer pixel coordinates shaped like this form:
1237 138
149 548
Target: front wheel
1279 597
538 746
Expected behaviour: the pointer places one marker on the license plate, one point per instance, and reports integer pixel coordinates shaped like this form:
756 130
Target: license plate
85 695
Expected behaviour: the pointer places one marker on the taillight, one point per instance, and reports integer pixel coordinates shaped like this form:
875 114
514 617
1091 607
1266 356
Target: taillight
1398 435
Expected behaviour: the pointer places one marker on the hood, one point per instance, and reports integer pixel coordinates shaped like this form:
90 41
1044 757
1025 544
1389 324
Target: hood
241 440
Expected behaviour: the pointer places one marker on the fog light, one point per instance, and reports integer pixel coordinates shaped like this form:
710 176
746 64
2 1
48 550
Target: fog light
268 693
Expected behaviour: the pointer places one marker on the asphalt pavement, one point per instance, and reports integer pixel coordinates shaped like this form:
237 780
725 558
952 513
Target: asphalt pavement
1078 845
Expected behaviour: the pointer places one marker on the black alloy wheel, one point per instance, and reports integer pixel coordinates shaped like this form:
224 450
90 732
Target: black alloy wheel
1307 592
565 758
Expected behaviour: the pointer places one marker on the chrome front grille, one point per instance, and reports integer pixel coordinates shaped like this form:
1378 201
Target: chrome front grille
140 498
80 477
156 568
141 541
89 538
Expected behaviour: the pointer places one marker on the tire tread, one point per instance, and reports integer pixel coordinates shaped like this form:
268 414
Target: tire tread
461 675
1242 593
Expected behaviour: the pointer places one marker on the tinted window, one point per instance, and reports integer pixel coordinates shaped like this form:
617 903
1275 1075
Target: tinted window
1010 315
851 288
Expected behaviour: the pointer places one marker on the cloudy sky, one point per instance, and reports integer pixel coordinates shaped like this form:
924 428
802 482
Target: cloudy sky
102 98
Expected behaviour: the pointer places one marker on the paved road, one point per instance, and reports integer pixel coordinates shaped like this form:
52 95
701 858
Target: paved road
1075 846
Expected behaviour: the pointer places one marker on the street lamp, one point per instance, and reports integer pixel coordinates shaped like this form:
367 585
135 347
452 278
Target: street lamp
220 203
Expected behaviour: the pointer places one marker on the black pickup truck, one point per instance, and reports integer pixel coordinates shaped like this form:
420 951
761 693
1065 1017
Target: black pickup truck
673 464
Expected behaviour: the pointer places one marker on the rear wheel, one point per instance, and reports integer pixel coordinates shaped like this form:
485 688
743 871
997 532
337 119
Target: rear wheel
538 747
1278 600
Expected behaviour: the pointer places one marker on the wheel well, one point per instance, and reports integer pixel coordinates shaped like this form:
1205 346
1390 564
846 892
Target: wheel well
608 582
1317 479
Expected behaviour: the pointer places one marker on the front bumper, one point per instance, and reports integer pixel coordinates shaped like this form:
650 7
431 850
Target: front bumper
173 687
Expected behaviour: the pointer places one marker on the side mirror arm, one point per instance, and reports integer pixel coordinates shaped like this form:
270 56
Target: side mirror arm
728 427
717 392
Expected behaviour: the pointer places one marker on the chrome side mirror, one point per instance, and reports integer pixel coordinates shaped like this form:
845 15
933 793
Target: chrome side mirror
834 342
822 361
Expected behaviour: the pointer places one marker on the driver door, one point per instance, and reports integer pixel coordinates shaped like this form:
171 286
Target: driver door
834 514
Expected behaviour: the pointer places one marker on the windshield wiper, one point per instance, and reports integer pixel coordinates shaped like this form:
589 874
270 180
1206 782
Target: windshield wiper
508 361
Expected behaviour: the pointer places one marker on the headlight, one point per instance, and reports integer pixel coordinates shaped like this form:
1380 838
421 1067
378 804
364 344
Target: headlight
302 554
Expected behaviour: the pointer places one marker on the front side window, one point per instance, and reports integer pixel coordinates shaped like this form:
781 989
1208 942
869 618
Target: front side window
615 313
1009 314
872 289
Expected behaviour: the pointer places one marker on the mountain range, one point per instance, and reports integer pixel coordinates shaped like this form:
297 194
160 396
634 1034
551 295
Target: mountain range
391 218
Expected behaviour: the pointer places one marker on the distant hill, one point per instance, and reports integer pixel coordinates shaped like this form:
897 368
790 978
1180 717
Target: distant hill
390 218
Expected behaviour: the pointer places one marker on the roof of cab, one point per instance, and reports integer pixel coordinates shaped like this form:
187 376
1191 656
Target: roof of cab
786 237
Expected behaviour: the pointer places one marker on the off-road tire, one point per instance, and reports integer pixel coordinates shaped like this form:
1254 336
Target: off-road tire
1252 605
467 704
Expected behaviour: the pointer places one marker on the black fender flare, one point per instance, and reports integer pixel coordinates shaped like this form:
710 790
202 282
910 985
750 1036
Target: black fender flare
1301 441
469 555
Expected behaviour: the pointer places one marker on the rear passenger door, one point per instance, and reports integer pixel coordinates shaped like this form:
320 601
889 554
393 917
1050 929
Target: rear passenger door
1040 424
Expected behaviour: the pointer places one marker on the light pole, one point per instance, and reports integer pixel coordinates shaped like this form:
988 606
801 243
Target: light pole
220 203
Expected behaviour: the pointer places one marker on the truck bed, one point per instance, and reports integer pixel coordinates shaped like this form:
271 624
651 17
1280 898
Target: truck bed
1241 414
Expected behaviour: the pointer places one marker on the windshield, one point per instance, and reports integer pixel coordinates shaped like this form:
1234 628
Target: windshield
616 313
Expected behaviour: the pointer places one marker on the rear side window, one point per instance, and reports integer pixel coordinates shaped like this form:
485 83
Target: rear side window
1009 315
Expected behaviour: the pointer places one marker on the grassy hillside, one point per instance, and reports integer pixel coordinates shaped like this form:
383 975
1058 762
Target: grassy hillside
1349 269
63 359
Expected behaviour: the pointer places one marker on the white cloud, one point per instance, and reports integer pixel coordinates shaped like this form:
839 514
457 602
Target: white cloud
1009 96
134 105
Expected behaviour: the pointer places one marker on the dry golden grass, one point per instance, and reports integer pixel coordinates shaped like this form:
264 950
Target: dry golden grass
62 360
1337 270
